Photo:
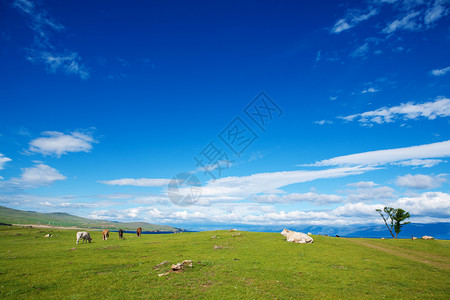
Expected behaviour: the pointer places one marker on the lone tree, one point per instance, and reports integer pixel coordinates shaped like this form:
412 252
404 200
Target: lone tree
395 217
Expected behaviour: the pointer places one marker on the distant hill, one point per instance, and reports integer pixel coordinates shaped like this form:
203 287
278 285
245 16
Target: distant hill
15 216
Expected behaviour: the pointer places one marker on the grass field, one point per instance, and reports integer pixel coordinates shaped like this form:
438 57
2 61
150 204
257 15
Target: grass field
250 266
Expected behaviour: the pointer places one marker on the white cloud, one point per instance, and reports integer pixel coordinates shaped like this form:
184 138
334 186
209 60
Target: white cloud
370 194
362 17
154 213
221 200
263 187
406 111
437 11
420 181
58 143
440 72
428 203
356 209
41 23
315 198
3 161
323 122
114 214
425 163
436 204
412 15
369 90
262 215
271 182
363 184
408 22
184 215
24 5
352 19
237 188
381 157
369 191
137 182
219 165
361 50
420 206
228 213
43 51
291 217
69 63
38 175
340 26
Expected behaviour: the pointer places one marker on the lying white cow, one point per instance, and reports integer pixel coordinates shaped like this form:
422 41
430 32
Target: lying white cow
83 235
296 237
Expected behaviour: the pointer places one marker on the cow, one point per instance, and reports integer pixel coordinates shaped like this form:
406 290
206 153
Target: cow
139 231
105 234
83 235
120 234
296 237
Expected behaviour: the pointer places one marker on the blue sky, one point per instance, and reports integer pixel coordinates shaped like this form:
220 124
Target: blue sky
102 105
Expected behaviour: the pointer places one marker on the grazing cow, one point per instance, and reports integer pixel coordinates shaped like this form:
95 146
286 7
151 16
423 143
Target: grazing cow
120 234
139 231
83 235
296 237
105 234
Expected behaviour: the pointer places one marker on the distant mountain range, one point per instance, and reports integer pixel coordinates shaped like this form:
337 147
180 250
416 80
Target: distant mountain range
437 230
15 216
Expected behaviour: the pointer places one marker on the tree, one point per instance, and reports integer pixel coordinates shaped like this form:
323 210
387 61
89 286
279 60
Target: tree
399 217
386 215
396 218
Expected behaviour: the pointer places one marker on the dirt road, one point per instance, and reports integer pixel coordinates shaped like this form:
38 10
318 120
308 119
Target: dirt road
425 258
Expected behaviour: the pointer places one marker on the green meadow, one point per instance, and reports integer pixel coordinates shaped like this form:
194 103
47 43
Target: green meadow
251 265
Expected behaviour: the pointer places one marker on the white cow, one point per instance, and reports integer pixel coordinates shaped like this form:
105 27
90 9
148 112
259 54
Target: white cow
83 235
296 237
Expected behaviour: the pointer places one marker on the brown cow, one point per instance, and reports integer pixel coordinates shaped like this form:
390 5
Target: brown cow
120 234
139 231
105 234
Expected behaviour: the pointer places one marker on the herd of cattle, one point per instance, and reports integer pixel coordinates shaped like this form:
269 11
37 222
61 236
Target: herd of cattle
291 236
86 237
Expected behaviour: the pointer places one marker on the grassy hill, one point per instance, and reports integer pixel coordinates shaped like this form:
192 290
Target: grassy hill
14 216
252 265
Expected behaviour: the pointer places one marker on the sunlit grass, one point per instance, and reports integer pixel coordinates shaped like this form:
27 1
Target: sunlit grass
252 265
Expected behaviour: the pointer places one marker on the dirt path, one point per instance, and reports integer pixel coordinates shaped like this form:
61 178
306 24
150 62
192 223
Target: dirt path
428 259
